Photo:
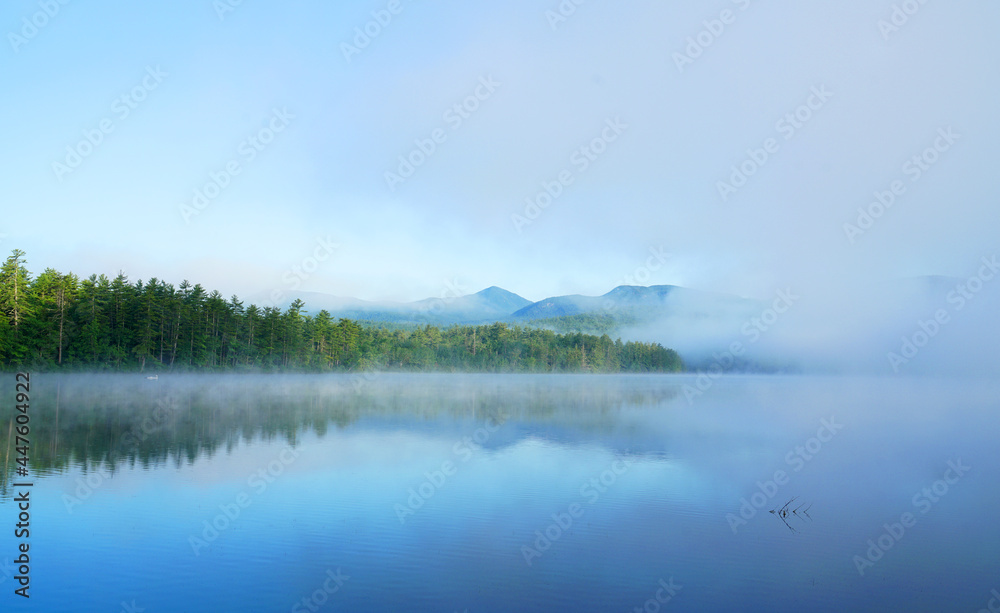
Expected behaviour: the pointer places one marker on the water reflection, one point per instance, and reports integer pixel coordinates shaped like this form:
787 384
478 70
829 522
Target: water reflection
110 421
786 511
513 493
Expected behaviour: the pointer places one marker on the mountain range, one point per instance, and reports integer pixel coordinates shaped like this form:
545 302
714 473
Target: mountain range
623 305
823 330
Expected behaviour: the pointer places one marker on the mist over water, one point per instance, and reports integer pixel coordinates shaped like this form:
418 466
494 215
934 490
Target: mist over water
934 325
513 492
799 198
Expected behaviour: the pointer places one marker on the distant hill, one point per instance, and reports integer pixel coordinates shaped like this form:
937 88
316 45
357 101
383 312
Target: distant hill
626 306
486 306
825 333
627 298
491 303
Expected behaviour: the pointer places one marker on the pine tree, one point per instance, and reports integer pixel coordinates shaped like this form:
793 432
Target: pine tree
58 320
14 301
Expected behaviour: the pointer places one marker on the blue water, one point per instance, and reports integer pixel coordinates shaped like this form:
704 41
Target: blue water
508 493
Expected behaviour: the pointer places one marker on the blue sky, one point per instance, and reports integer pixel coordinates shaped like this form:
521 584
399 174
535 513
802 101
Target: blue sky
203 83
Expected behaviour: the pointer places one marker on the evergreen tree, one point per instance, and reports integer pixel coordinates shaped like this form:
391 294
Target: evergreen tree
57 321
14 301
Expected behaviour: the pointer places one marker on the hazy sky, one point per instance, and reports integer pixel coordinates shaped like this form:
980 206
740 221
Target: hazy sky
313 114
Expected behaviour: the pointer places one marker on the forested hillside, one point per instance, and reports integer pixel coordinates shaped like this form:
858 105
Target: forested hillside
60 321
587 323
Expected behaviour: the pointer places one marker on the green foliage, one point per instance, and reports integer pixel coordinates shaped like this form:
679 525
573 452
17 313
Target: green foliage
58 321
587 323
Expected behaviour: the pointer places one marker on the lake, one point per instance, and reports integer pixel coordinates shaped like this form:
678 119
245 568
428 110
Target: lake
397 492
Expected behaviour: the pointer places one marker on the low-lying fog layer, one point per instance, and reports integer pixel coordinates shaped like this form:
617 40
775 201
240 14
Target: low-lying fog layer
916 326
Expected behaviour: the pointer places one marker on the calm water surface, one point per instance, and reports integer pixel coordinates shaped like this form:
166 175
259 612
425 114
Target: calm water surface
507 493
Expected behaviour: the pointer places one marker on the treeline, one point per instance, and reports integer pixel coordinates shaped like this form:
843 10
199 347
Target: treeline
587 323
59 321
